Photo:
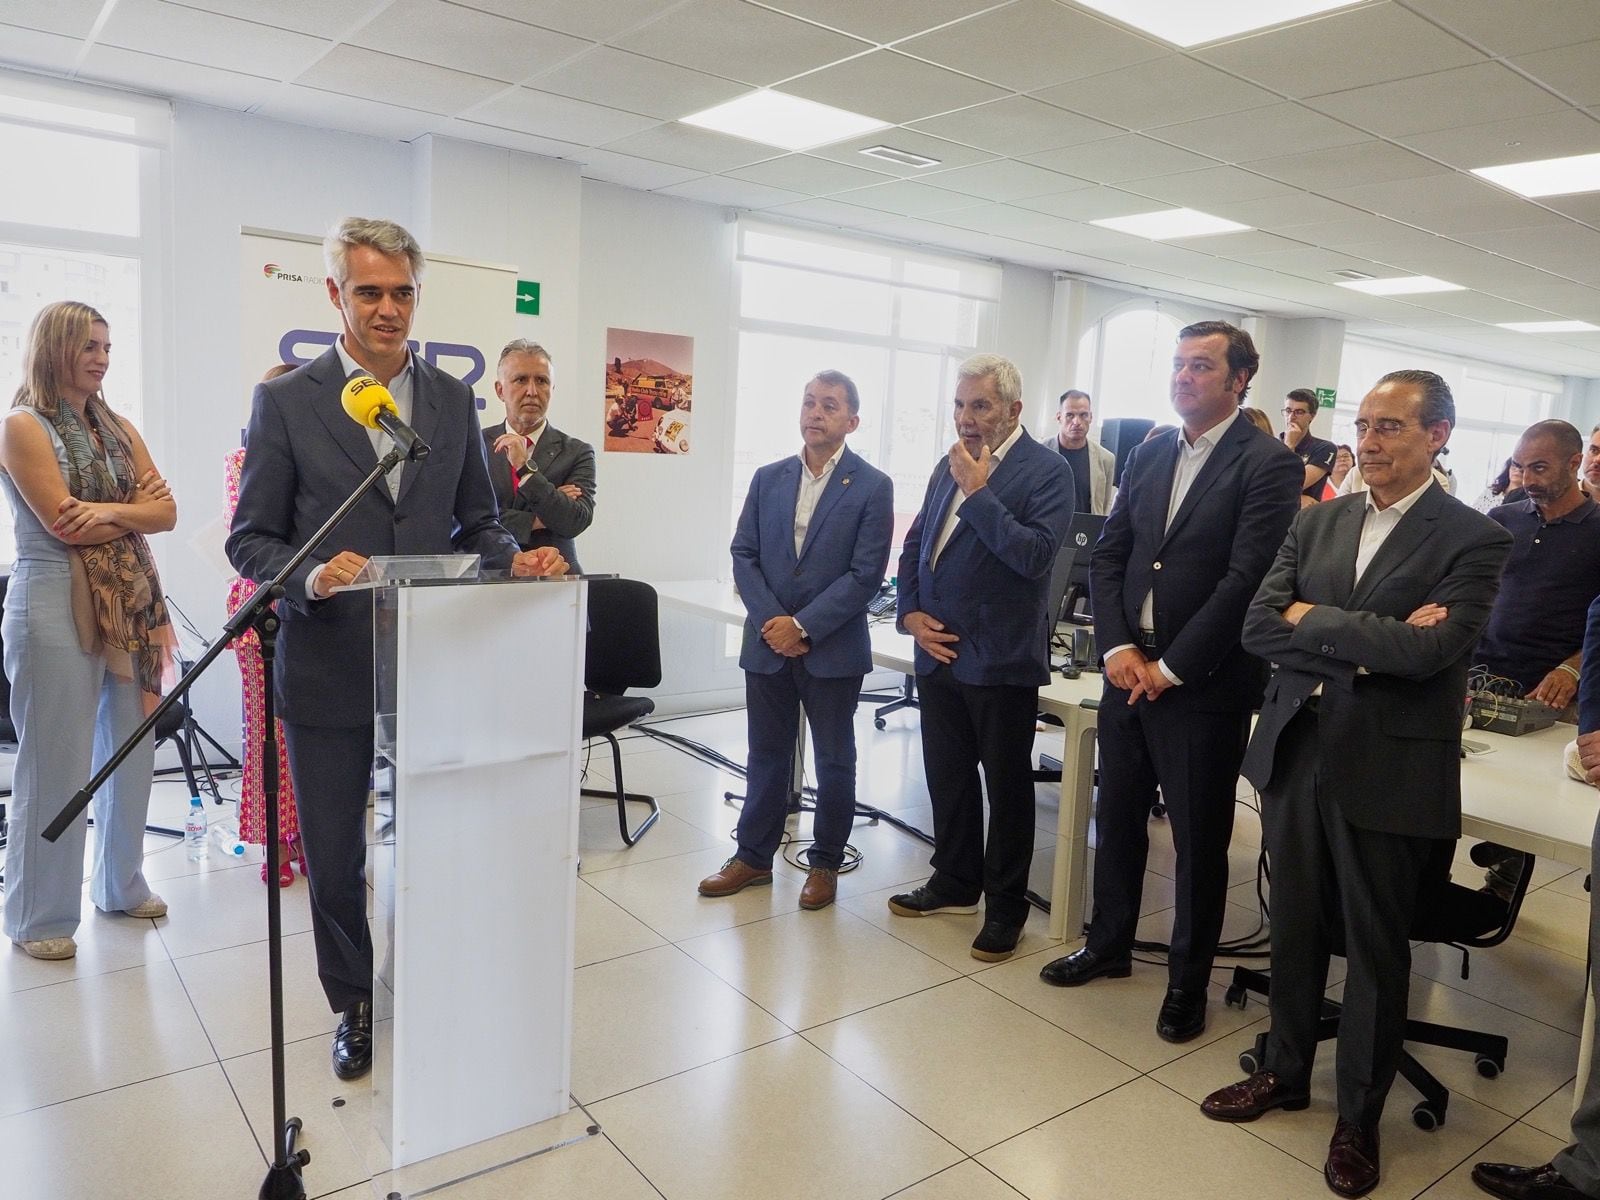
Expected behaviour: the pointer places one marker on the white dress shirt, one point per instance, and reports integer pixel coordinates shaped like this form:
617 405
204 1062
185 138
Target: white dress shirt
1192 457
805 501
1378 524
949 527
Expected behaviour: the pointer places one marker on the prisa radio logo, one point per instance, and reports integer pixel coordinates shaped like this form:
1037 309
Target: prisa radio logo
273 271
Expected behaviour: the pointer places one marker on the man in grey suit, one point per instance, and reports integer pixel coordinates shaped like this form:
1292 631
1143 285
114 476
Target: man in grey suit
304 456
1093 466
543 478
1370 614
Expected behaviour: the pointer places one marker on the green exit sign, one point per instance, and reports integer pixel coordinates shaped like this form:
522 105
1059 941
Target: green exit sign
1325 396
528 297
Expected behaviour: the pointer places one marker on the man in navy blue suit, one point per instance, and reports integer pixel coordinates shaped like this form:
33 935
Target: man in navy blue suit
1200 513
808 555
304 456
974 583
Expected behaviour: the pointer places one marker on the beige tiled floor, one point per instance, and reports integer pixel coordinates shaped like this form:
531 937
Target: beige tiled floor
743 1047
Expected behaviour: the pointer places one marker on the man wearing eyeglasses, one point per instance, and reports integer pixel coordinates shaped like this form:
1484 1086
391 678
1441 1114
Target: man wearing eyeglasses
1370 614
1093 466
1299 407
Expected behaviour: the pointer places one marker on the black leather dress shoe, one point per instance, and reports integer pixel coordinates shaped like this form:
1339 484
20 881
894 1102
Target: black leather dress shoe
1352 1167
352 1042
1183 1015
1524 1183
996 941
1082 965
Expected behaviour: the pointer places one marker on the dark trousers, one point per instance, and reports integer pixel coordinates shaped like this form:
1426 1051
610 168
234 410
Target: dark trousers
773 704
965 726
1337 889
1194 758
331 770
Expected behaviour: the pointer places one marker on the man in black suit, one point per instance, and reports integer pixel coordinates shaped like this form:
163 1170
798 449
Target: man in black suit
1370 612
1199 515
304 457
543 478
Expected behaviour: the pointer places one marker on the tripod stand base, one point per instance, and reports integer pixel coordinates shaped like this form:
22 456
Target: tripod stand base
283 1180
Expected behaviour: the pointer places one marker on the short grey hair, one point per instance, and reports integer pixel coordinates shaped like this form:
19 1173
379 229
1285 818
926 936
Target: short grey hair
852 395
386 237
523 346
1007 379
1438 403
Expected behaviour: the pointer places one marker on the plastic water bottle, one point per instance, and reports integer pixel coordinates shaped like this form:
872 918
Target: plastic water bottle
227 835
194 831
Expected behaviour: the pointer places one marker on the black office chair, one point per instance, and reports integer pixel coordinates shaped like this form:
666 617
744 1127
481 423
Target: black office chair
1447 913
906 699
623 651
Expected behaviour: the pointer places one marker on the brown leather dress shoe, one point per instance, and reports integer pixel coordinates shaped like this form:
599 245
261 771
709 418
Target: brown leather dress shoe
820 888
1352 1167
1524 1183
735 876
1249 1098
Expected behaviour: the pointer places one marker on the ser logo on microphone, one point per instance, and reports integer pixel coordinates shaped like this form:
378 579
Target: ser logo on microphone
368 403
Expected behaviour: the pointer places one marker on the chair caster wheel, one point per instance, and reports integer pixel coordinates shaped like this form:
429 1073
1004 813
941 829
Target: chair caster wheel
1237 996
879 723
1248 1062
1426 1118
1158 810
1488 1067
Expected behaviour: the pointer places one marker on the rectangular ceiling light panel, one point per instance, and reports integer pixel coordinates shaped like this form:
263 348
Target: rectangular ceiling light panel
1190 22
1547 177
778 119
1170 223
1405 285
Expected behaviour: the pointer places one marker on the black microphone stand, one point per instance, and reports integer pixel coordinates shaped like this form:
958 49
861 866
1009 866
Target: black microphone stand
283 1181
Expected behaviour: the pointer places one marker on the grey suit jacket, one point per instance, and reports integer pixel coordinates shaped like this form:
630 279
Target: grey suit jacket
1390 739
303 457
560 458
1102 469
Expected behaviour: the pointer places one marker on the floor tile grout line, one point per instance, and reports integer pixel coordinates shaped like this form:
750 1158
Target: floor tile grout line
787 1033
650 1183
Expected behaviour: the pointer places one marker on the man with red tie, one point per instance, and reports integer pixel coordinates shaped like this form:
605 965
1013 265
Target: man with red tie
543 478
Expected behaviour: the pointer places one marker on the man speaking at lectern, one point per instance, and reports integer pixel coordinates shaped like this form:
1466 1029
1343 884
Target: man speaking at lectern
305 457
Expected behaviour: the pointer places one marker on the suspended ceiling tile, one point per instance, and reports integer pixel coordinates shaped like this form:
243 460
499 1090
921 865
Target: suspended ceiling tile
739 40
222 43
1441 100
1089 204
1033 44
829 212
1520 139
1310 262
1351 48
946 154
1151 93
686 146
157 75
734 193
1005 179
1584 208
1325 170
581 18
891 87
1341 232
69 18
465 39
1507 27
1570 70
628 170
908 197
810 174
1242 136
38 50
1237 245
368 75
1016 126
633 83
1416 200
1289 207
1113 160
547 115
510 139
316 108
1475 306
1571 251
1210 186
882 20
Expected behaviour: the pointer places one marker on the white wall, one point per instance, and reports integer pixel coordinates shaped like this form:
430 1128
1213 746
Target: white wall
1295 353
1023 336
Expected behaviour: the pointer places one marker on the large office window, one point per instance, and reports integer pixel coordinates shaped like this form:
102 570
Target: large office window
1494 404
79 221
1125 362
896 320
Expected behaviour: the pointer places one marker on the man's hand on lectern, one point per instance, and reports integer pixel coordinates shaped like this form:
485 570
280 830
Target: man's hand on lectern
544 560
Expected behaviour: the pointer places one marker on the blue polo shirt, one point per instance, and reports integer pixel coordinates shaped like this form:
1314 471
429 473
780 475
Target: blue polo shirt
1550 580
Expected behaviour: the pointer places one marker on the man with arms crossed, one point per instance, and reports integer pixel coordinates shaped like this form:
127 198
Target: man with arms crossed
543 478
808 555
974 583
1370 613
306 456
1093 466
1199 516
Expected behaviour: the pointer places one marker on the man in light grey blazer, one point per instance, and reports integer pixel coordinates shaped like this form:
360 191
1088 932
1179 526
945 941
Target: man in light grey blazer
1370 613
1093 466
